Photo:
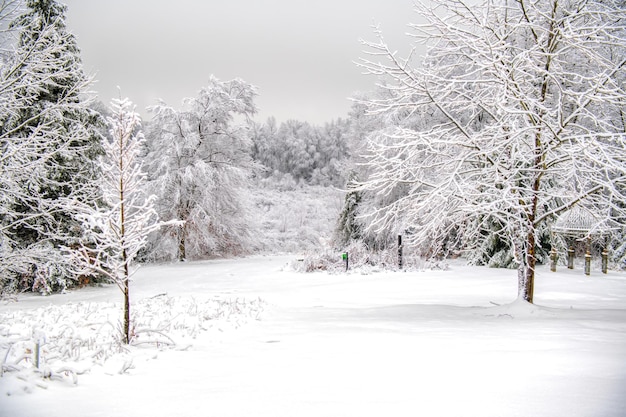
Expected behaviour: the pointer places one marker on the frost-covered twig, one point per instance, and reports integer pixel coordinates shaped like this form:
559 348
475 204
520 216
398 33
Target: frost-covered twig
135 342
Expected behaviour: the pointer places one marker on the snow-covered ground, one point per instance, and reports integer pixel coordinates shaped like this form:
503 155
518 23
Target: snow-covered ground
423 343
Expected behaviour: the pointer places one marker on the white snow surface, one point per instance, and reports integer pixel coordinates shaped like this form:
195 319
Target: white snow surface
251 337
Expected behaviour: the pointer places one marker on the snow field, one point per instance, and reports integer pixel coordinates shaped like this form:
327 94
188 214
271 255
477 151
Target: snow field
432 343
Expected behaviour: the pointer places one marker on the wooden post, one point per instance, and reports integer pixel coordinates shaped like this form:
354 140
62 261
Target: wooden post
570 258
400 252
345 259
37 352
587 263
554 256
605 261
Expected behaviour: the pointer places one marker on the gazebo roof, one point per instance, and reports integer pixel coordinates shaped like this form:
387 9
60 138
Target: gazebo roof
579 221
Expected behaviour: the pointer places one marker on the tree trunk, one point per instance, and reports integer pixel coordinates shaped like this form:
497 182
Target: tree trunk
126 290
125 260
526 269
126 313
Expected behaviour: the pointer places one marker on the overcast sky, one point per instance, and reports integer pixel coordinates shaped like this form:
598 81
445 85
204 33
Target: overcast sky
298 53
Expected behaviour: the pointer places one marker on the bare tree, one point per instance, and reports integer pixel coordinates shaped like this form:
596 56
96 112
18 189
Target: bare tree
514 116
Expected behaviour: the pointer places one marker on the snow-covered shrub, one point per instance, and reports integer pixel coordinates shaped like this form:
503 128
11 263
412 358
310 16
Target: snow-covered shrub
40 268
324 260
362 258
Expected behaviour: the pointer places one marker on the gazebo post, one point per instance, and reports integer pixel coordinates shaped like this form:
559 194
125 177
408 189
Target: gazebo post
554 256
570 258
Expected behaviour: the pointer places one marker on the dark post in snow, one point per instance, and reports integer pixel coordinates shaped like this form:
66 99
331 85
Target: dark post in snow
570 258
345 259
37 352
605 261
399 251
554 256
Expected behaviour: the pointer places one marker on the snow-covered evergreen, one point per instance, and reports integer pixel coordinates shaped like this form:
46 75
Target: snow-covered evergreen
349 227
49 139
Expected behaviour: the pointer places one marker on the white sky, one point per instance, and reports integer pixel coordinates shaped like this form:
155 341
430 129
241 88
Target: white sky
299 53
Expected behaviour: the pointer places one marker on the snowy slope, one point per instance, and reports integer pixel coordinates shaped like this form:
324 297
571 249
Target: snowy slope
429 343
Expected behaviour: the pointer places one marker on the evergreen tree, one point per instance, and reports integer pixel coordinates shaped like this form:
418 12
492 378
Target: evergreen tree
49 139
348 226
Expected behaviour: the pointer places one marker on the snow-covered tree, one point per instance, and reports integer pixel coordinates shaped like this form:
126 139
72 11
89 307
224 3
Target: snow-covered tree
200 163
48 138
263 138
349 228
312 154
118 229
522 105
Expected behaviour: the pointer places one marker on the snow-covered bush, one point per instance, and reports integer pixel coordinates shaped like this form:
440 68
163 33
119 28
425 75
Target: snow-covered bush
40 268
362 258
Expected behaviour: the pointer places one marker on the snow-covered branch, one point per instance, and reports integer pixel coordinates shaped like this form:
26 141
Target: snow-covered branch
509 121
